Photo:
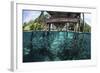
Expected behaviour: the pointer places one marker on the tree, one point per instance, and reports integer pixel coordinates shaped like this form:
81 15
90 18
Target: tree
24 25
87 27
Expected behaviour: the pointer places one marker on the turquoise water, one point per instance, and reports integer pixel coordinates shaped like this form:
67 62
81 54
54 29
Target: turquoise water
56 46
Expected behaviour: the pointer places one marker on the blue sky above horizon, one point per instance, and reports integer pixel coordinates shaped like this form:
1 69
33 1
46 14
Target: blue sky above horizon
87 18
28 15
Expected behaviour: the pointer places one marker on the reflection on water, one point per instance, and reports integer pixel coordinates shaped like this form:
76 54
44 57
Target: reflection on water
56 46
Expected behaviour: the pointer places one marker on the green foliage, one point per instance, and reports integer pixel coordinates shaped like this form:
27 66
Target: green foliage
36 26
87 28
24 25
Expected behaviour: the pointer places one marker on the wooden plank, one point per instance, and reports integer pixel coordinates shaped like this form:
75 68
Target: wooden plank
59 20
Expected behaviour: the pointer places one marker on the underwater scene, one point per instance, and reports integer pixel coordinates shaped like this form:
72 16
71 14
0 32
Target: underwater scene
55 36
55 46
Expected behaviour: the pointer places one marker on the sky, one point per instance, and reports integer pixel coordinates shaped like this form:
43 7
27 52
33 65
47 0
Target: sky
87 18
32 15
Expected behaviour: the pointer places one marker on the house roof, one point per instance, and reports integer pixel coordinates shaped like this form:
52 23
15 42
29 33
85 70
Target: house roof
62 17
63 14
